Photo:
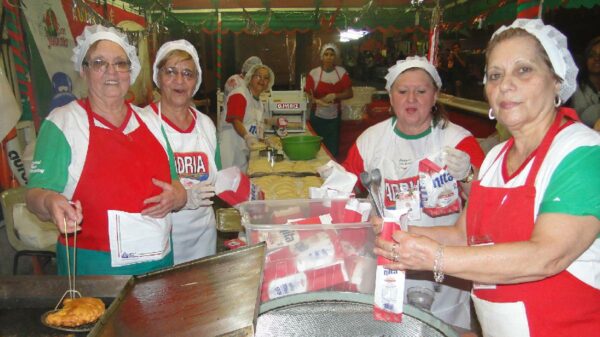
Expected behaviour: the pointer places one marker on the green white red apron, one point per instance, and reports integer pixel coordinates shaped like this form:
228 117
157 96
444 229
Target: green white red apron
117 178
560 305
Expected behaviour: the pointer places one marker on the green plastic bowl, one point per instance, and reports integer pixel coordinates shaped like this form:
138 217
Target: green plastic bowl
301 147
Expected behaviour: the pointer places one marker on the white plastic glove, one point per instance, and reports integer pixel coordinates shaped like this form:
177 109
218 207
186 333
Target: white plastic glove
251 140
458 163
329 98
199 195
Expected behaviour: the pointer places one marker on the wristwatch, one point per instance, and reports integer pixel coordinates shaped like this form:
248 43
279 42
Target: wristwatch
469 176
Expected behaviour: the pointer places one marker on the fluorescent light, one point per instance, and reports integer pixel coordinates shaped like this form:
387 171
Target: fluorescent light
352 34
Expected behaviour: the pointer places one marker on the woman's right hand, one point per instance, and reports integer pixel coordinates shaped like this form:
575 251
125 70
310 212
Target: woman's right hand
66 215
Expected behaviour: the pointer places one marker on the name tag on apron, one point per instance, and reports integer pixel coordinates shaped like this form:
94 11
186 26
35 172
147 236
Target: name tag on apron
135 238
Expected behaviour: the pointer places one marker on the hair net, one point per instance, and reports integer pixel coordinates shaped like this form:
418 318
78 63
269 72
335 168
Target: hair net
95 33
183 45
252 60
411 62
555 45
330 46
253 69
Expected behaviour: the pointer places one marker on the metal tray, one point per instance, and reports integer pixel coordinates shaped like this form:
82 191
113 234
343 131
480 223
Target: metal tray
213 296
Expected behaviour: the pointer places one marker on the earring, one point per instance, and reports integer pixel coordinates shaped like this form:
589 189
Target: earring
491 114
557 101
434 109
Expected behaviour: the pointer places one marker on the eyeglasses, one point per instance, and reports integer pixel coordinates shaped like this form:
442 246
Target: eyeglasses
172 72
260 78
101 65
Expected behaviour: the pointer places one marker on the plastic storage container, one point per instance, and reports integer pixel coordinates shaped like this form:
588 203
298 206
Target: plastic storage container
311 246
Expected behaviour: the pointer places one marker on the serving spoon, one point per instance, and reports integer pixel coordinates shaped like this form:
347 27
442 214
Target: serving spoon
367 181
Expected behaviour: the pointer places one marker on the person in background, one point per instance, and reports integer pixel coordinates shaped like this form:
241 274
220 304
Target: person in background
243 117
419 130
237 80
457 69
586 99
102 167
529 235
326 86
193 138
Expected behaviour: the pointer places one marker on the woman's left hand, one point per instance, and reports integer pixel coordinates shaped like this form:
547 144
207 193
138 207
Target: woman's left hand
168 200
408 251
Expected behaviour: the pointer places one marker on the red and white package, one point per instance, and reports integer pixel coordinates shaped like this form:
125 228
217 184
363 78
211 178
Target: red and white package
361 270
282 216
321 249
439 190
234 243
234 187
310 280
389 284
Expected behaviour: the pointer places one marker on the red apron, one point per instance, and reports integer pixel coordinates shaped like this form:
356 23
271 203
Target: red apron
117 175
560 305
323 88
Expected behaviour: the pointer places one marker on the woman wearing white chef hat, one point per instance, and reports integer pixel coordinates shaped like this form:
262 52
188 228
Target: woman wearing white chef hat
193 139
237 80
529 235
327 85
418 132
112 160
242 119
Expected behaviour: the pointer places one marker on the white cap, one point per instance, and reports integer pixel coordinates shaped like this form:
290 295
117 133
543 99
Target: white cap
411 62
254 68
555 45
183 45
252 60
95 33
330 46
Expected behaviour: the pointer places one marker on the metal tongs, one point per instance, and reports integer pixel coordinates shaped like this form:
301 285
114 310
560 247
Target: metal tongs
71 276
372 181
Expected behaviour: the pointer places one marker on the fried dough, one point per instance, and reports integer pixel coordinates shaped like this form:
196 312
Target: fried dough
76 312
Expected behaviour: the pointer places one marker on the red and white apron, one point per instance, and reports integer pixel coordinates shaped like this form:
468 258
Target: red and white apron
194 231
321 90
234 151
116 179
560 305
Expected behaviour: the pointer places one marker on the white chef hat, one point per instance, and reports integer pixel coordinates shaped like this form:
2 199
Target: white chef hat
183 45
95 33
555 45
254 68
330 46
411 62
252 60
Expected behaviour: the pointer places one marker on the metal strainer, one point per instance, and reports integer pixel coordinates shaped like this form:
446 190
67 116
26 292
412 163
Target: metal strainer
341 314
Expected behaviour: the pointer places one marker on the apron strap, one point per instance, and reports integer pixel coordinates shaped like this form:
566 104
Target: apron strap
542 150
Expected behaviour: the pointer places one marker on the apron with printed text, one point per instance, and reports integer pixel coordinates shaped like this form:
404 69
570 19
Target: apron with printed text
117 175
194 230
560 305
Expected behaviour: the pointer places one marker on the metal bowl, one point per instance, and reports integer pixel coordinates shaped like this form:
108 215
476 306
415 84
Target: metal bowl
341 314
